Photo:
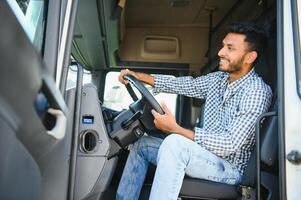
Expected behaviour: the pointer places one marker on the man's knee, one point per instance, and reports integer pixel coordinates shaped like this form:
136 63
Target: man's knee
172 141
171 144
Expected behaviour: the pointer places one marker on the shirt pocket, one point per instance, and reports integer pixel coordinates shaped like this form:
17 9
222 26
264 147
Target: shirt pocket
235 112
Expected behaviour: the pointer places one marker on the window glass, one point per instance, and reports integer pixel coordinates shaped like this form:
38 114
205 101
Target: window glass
31 15
72 77
116 96
298 66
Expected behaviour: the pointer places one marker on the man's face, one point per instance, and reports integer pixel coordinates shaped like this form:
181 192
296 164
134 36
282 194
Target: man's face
232 54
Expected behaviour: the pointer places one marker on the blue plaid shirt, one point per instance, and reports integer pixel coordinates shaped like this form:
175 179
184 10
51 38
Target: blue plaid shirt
231 110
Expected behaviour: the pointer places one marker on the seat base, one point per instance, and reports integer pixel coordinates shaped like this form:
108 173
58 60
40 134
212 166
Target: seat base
192 187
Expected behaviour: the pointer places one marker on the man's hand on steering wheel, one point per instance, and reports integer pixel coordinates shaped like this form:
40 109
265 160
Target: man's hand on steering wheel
166 122
126 72
146 78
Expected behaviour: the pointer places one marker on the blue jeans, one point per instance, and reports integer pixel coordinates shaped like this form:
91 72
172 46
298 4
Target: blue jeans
174 157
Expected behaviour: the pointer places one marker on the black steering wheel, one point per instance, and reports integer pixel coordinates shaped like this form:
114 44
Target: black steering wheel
129 125
143 91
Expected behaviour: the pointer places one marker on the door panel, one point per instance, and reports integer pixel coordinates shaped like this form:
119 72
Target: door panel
94 170
34 164
292 102
17 166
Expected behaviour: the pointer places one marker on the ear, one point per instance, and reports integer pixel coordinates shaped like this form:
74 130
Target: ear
251 57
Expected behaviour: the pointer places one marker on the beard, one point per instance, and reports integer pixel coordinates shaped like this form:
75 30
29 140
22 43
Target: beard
233 66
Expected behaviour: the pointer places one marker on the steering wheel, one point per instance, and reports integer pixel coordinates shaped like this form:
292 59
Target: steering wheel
143 91
131 124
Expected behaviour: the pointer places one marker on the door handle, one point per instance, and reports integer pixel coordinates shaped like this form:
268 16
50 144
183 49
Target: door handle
294 157
59 129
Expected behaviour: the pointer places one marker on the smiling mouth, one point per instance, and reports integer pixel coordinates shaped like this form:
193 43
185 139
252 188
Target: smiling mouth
223 61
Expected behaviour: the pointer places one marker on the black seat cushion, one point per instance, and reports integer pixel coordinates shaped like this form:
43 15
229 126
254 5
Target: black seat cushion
193 187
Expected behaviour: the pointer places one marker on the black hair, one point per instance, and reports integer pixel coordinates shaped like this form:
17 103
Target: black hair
255 36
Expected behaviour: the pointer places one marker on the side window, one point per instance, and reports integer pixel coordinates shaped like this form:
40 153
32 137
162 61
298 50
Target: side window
297 44
72 77
116 96
31 15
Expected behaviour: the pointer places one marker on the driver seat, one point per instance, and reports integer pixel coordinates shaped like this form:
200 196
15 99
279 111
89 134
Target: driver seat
198 188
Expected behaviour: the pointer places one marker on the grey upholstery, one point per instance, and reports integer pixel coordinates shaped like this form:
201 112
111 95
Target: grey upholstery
33 164
17 166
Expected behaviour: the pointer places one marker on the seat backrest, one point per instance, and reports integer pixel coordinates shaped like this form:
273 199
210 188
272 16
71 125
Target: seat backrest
269 140
267 69
269 146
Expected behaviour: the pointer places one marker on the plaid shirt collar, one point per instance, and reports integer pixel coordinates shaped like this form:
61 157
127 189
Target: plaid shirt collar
232 88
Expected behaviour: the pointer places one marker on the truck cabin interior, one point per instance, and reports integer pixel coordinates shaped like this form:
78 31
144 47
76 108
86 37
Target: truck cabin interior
179 37
176 37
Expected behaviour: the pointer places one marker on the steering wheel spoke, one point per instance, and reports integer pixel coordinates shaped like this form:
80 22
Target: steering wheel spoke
144 93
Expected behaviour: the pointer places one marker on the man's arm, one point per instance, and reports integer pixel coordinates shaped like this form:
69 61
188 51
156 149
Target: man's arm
239 130
187 85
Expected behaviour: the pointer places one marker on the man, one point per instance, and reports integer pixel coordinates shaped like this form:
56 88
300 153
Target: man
235 97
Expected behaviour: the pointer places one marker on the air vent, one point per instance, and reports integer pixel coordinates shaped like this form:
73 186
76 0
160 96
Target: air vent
89 140
179 3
